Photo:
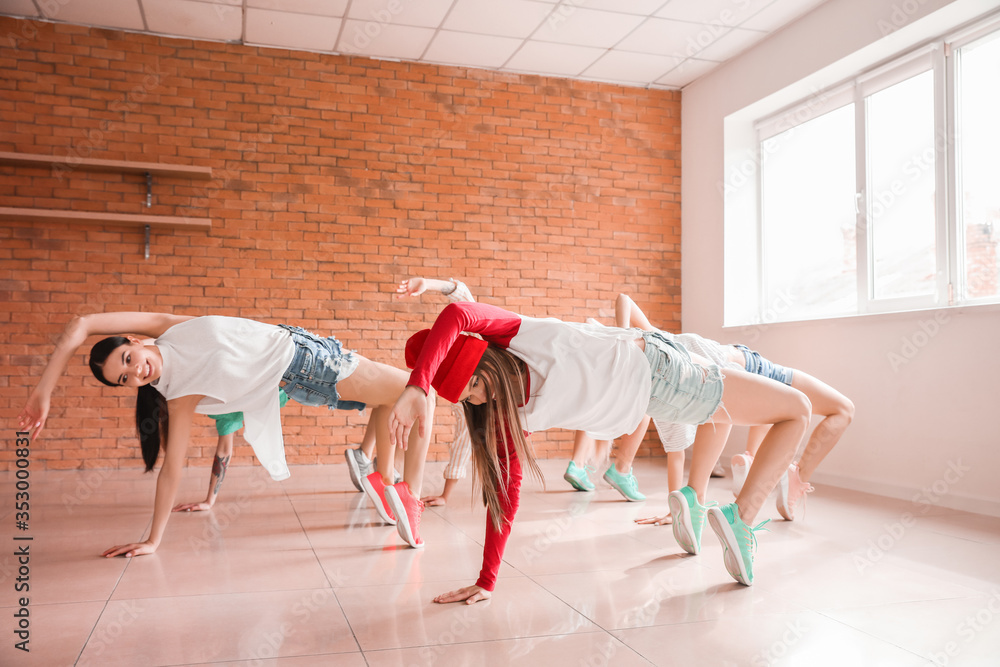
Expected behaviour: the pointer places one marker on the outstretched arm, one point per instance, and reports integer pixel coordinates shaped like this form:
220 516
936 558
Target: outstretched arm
36 410
496 540
181 411
628 314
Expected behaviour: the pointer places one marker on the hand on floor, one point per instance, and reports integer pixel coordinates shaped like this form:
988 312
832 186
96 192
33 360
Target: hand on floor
434 501
664 520
470 594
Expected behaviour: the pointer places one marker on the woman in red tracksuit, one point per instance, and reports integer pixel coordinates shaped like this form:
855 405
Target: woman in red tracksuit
528 374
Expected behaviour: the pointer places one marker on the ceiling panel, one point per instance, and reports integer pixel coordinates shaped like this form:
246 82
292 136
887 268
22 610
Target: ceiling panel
304 31
201 20
650 43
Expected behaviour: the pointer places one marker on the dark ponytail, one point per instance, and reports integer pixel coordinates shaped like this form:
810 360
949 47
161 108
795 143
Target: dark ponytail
151 418
152 422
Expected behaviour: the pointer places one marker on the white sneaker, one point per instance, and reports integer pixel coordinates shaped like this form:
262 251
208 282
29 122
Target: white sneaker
718 470
358 466
741 465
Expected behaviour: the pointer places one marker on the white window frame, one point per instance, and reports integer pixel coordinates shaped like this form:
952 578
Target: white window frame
942 57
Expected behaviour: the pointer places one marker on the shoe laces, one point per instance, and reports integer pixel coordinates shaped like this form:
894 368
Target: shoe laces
751 538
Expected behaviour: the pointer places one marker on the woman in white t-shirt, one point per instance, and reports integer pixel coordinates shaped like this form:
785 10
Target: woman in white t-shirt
215 365
530 374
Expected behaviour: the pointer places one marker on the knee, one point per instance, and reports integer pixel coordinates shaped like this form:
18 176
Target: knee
846 410
801 409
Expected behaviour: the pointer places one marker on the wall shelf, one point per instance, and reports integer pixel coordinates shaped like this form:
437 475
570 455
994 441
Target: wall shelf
91 217
66 164
121 166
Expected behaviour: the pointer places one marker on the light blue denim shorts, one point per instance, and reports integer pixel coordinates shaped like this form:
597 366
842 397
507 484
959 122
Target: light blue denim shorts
758 365
683 392
318 365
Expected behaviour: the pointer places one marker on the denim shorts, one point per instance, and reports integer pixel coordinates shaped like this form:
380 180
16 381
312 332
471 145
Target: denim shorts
683 392
758 365
318 365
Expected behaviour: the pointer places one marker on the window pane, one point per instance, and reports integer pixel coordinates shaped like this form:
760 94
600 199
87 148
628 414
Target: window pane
978 168
901 188
807 190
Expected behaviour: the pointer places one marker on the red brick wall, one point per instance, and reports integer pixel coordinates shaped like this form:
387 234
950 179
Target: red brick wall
333 179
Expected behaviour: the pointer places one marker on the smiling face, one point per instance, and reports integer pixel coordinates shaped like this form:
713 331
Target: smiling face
474 392
133 365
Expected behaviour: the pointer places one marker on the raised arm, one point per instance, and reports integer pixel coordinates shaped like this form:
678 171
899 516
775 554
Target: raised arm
495 325
181 411
32 417
455 290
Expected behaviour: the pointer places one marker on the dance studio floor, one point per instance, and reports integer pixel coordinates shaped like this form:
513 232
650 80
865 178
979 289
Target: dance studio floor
301 573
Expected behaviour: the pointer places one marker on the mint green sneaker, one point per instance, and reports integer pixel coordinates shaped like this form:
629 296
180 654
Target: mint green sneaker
578 478
625 484
739 544
689 518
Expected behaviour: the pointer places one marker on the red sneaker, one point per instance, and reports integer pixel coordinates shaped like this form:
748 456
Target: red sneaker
375 490
408 509
791 490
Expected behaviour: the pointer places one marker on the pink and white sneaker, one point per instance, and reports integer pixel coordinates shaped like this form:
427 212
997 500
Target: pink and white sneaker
408 510
791 490
741 465
374 488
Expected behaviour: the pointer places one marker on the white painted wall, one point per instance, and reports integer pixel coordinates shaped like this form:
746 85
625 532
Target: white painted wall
929 427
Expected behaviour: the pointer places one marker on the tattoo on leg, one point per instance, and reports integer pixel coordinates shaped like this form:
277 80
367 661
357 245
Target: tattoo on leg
219 470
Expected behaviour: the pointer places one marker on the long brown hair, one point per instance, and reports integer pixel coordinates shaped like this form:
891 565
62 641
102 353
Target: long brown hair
504 375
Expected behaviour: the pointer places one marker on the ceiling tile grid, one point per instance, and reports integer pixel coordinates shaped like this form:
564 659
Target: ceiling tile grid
647 43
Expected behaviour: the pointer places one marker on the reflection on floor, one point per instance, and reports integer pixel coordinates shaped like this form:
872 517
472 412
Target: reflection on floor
303 573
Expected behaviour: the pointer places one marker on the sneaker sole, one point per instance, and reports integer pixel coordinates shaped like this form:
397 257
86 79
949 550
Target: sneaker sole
353 470
785 509
575 484
730 547
619 490
683 530
402 521
376 501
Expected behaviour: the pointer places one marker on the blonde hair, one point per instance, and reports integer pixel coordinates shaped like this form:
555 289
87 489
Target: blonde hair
504 376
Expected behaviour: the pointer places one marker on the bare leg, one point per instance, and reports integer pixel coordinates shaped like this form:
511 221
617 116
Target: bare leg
368 441
749 400
379 385
628 446
709 442
628 314
755 436
675 470
837 411
583 448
